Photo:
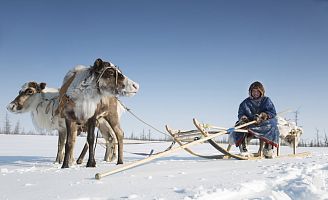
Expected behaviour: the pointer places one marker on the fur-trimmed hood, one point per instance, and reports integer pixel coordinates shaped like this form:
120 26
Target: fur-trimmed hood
256 85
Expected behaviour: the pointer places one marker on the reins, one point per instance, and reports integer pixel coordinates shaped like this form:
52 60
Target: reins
141 120
151 126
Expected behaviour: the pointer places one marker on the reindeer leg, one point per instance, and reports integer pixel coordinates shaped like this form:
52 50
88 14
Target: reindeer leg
91 139
114 123
108 134
119 135
61 144
111 149
84 151
74 135
68 145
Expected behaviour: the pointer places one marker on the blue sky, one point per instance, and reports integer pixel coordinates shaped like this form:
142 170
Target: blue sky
191 58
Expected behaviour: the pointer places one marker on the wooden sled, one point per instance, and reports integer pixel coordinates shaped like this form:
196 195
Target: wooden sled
203 128
186 139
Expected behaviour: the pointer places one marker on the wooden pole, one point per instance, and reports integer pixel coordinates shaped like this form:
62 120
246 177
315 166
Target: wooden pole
150 158
294 145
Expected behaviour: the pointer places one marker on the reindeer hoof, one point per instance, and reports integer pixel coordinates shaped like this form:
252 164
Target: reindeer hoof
91 164
119 162
79 161
65 166
109 159
59 160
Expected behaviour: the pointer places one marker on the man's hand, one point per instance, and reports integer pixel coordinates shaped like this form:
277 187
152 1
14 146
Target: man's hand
261 117
264 116
244 119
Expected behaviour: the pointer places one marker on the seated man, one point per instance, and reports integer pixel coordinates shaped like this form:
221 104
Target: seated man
260 108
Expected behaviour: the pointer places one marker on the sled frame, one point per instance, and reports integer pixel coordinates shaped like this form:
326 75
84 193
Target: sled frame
204 130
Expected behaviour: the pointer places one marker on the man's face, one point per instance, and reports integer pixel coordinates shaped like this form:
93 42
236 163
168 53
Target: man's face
256 93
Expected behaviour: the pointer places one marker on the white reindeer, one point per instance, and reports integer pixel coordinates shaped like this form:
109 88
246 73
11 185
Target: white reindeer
42 101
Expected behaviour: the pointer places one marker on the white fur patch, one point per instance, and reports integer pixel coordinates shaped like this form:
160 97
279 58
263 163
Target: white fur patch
83 92
120 109
50 90
76 69
131 87
85 107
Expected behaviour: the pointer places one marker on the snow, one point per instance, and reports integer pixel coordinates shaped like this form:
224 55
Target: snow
27 171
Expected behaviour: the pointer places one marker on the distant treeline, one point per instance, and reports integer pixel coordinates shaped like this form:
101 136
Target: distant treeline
321 140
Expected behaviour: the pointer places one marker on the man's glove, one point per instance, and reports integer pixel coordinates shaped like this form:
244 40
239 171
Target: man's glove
243 119
264 116
261 117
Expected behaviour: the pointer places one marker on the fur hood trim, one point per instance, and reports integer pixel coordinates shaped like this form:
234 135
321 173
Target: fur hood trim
256 85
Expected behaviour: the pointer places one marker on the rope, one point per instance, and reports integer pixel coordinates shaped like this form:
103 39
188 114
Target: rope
138 118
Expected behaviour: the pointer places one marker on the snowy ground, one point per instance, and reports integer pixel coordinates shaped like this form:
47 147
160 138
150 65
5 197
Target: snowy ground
28 172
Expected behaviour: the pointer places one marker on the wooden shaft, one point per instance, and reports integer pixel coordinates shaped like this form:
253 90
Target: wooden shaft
241 130
279 146
294 145
177 135
150 158
216 127
182 134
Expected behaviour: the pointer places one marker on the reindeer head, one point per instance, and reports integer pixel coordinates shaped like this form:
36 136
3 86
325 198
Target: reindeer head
25 97
111 81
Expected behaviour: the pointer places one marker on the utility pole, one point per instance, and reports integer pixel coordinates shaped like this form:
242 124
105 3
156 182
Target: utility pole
296 116
318 142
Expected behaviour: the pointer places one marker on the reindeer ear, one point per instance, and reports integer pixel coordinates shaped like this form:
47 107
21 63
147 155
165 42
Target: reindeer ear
97 66
98 63
33 84
42 85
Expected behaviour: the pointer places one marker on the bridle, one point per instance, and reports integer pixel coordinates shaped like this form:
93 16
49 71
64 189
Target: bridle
38 90
117 71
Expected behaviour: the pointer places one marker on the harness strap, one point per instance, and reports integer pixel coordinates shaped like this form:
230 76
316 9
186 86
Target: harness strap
48 107
63 98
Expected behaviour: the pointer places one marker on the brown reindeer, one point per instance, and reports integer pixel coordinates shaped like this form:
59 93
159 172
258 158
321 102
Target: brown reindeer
80 94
